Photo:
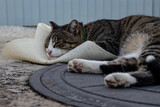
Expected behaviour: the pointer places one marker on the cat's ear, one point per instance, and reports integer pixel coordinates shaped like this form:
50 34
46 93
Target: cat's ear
53 25
73 26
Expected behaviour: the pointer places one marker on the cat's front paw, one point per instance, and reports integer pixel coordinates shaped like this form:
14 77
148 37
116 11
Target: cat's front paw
119 80
85 66
75 65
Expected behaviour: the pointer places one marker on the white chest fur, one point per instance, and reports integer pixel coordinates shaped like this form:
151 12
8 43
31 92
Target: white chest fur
134 45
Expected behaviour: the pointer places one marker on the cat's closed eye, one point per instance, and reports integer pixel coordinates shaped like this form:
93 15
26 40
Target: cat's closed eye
59 44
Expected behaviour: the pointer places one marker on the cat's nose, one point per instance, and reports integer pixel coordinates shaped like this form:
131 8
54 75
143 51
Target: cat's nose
49 52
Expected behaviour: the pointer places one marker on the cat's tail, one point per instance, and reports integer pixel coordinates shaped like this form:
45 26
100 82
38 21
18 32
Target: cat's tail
154 67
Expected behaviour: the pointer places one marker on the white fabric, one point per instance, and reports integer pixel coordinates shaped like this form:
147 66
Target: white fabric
33 49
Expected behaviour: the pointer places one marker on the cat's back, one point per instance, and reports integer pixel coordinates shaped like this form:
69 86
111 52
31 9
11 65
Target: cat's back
126 24
139 23
122 28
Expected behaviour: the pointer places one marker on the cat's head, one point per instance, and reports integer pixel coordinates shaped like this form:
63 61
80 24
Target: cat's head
64 38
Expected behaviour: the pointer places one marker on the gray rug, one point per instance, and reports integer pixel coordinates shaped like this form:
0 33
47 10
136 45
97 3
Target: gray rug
88 90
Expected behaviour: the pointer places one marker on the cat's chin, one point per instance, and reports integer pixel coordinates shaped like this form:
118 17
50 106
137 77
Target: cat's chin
53 57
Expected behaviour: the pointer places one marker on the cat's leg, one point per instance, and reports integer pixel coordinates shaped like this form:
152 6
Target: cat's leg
85 66
141 77
107 67
120 65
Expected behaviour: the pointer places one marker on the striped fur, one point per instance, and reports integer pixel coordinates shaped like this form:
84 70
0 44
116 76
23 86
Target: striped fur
132 38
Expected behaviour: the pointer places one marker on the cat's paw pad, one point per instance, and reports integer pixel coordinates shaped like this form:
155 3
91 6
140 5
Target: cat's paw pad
75 65
119 80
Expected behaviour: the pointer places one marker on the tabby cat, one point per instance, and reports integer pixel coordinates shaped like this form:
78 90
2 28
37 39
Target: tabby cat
134 39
